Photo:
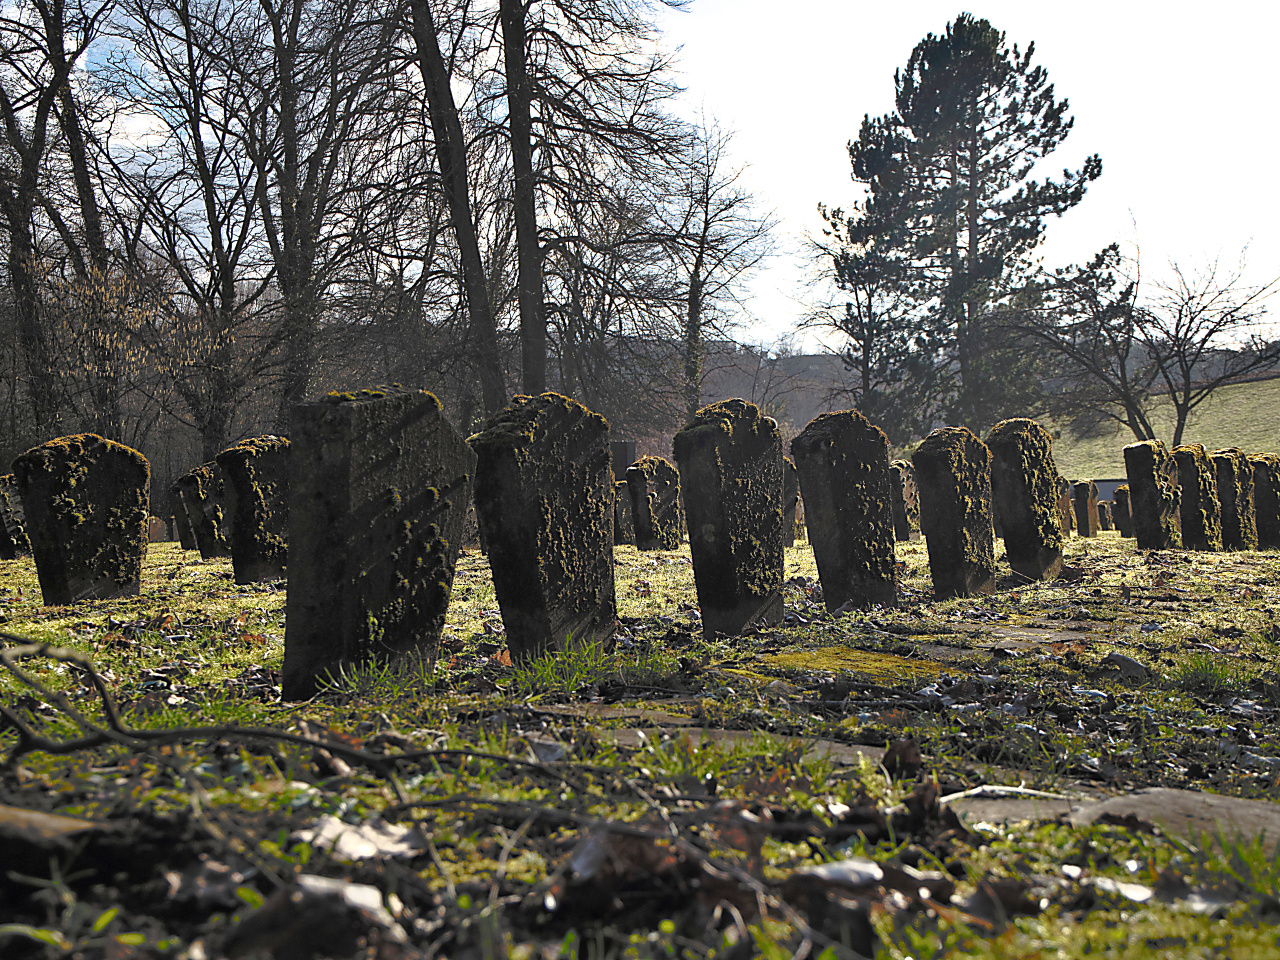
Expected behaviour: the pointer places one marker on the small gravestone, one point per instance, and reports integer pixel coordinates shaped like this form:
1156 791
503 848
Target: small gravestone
906 500
1235 494
1024 496
843 462
1120 510
186 533
790 499
953 476
1104 516
802 529
1066 507
730 460
654 485
378 489
86 501
1153 495
544 498
1199 512
1266 498
624 527
1084 497
157 530
203 496
13 533
256 484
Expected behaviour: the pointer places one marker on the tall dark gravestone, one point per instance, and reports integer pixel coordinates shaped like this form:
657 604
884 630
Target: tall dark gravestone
1066 507
1266 498
178 510
13 531
1024 497
624 526
256 478
622 454
86 501
544 498
790 500
1120 513
1153 495
847 483
203 494
1084 495
730 460
953 475
1199 513
1104 516
655 503
1235 494
906 500
378 488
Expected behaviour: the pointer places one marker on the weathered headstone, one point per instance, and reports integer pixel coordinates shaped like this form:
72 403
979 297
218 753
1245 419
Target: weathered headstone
157 530
13 533
790 498
178 510
1120 511
544 497
953 475
622 454
1024 496
378 487
906 500
730 460
256 484
1266 498
86 501
1200 514
1084 498
624 527
203 494
1066 507
1104 516
1235 494
654 485
843 462
1153 495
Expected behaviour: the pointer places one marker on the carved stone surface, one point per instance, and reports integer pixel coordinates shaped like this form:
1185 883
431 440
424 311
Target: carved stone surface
1153 495
87 503
624 525
1199 512
544 498
655 503
256 486
185 532
790 499
1120 510
1266 498
1084 499
1104 516
843 462
13 533
203 494
1024 497
906 500
953 475
1235 494
1066 507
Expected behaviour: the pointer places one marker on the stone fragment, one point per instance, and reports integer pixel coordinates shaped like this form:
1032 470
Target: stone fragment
654 485
1084 498
1235 494
848 487
1024 496
906 500
790 500
13 532
1104 516
86 501
203 495
1066 507
1199 513
256 493
1120 511
953 475
624 525
730 460
544 498
182 523
1153 495
1266 498
378 489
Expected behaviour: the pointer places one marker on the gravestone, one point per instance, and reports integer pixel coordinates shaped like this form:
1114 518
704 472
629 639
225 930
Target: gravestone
1024 496
848 487
1104 516
730 460
1084 496
1066 507
1153 495
790 500
157 530
544 498
203 494
1235 494
177 509
13 533
256 486
1266 498
953 476
1199 512
624 527
622 454
906 500
1120 511
86 501
654 485
378 488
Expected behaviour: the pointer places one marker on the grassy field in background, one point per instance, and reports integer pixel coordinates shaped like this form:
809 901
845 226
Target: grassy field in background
1246 416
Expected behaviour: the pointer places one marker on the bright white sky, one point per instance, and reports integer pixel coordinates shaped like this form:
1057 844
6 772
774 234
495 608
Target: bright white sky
1179 99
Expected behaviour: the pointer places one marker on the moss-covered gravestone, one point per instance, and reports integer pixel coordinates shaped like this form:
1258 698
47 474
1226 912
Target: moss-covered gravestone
1024 497
203 495
1120 511
177 509
1266 498
86 501
843 461
624 526
544 498
953 476
1066 507
790 499
256 487
1084 497
654 485
1235 494
1153 495
906 500
13 533
730 460
378 489
1200 515
1104 516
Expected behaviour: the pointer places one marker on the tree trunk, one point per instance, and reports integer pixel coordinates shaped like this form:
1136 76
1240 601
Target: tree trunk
42 375
693 351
